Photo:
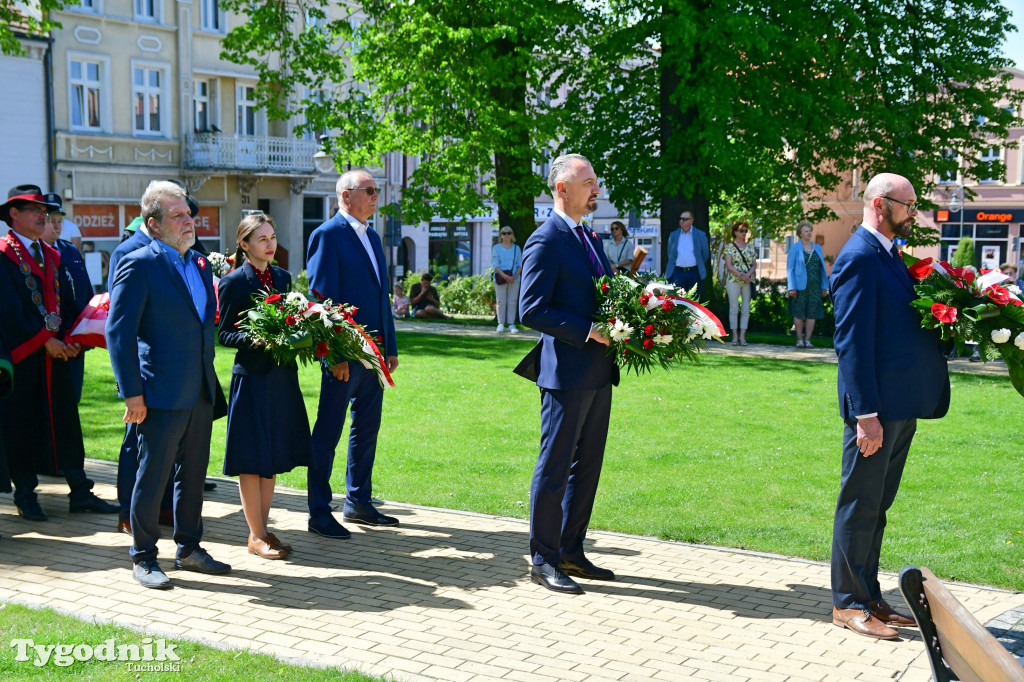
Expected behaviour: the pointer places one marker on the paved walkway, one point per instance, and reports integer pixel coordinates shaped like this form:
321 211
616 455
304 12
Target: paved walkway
445 596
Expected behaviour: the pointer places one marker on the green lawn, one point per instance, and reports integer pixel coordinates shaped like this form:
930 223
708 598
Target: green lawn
736 451
197 662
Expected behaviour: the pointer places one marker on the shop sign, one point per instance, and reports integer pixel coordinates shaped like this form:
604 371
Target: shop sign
449 231
97 220
982 215
207 221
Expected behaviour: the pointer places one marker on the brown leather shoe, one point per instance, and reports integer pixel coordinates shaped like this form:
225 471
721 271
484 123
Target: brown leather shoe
124 527
277 544
261 549
881 610
863 623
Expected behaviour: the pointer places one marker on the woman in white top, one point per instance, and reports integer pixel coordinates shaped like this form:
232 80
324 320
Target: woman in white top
619 248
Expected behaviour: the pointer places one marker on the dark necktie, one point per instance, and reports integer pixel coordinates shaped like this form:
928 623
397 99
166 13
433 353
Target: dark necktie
895 253
38 253
594 263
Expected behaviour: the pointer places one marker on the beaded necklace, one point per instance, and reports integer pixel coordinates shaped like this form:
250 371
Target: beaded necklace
50 320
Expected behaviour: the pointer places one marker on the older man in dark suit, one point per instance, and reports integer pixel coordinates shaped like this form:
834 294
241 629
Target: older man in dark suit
574 373
160 335
891 373
346 264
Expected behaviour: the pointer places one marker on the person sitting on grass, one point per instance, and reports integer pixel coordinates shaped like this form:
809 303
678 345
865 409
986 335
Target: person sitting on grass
399 302
424 298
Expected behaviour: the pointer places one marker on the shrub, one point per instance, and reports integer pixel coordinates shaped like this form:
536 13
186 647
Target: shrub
769 311
471 295
301 282
964 254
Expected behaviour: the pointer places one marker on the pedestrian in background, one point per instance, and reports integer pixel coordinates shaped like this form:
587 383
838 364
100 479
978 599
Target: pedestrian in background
740 259
507 261
807 284
619 249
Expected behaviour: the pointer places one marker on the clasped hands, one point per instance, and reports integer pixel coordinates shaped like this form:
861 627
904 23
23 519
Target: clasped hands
59 350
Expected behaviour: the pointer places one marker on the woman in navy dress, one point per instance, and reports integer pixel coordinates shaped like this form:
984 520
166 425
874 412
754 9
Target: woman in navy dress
268 430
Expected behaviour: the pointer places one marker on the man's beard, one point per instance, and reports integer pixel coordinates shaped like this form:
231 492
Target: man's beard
901 229
592 205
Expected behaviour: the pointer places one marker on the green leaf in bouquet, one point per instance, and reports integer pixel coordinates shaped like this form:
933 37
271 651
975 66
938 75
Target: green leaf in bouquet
300 340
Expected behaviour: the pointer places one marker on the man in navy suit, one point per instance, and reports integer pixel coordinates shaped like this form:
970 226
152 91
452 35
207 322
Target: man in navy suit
160 335
891 373
688 255
346 264
575 375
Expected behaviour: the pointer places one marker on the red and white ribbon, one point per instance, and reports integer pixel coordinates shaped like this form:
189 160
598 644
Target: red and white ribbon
705 316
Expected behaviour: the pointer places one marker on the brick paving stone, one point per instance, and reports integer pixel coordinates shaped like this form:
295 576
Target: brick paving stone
446 596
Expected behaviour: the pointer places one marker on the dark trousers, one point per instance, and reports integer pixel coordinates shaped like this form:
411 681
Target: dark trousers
128 468
25 486
867 490
573 431
685 279
175 441
363 395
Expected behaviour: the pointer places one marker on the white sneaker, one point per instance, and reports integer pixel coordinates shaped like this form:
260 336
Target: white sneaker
501 328
512 329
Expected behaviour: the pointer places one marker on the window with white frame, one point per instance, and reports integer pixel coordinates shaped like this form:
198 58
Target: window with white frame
989 155
211 18
85 85
248 121
763 246
205 117
148 106
316 19
147 10
89 6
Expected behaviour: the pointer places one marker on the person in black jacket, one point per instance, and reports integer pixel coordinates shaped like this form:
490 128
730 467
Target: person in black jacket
268 428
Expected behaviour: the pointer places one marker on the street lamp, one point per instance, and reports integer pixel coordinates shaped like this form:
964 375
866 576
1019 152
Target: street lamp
956 203
323 161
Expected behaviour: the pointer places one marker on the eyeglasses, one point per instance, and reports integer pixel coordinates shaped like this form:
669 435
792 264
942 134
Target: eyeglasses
370 191
506 234
32 208
686 218
743 230
911 207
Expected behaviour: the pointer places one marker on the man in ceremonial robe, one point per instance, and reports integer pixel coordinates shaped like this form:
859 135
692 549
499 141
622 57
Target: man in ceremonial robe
40 425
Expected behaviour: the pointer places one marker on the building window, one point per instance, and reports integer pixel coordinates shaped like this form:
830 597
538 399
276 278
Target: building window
990 155
147 89
248 120
89 5
204 106
212 19
951 157
147 10
764 247
86 85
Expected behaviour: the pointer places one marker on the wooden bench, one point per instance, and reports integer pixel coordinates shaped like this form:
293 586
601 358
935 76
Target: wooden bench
959 647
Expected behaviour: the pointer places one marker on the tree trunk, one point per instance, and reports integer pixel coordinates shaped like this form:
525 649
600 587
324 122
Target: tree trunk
513 165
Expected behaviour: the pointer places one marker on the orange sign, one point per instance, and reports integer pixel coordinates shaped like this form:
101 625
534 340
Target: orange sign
131 212
942 216
97 220
208 222
983 217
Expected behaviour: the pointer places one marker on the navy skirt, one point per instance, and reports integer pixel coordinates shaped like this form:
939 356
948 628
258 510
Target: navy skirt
268 430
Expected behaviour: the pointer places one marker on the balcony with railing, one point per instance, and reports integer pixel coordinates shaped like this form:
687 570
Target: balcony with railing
256 153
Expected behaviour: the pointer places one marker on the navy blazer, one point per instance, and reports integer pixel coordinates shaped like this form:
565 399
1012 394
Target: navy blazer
236 291
557 299
158 347
888 363
700 249
136 241
340 269
77 276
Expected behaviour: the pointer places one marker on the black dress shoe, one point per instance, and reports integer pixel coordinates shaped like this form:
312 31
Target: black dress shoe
367 515
553 578
93 504
209 486
201 562
31 511
329 528
582 568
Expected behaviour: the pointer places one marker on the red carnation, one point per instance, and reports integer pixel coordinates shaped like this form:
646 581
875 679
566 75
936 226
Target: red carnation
922 268
337 329
290 321
604 287
322 349
648 344
317 294
379 340
281 308
667 305
611 320
273 298
645 299
649 330
1000 295
943 313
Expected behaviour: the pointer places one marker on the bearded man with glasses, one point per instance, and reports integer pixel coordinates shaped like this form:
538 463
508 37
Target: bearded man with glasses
891 373
346 264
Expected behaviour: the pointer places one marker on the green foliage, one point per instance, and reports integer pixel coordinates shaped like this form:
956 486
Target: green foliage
411 277
27 20
770 106
472 295
300 282
964 254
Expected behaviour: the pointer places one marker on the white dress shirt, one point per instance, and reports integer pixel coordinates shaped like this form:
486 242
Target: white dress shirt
685 257
363 239
586 242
